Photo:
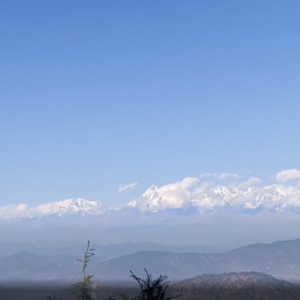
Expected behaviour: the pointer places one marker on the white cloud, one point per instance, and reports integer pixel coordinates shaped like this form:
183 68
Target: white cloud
9 211
208 175
125 187
205 196
250 182
286 175
22 207
181 186
220 176
193 192
172 195
175 194
226 175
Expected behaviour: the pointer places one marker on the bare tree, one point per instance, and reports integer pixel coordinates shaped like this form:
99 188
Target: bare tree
82 290
152 289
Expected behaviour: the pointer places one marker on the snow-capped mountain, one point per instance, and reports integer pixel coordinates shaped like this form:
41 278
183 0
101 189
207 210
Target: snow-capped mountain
193 210
188 195
62 208
206 198
70 206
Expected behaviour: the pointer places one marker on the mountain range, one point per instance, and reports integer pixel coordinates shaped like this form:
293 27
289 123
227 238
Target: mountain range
229 286
280 259
184 201
182 213
104 252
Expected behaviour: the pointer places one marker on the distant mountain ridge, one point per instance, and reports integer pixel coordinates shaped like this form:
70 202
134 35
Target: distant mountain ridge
104 252
80 207
250 198
246 200
279 259
30 267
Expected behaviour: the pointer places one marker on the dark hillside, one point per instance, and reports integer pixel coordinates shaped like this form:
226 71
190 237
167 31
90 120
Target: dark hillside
236 286
176 266
280 259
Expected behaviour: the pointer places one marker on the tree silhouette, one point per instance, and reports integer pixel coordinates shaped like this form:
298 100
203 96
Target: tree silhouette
82 290
152 289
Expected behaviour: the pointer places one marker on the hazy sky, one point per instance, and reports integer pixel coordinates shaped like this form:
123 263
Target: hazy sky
96 95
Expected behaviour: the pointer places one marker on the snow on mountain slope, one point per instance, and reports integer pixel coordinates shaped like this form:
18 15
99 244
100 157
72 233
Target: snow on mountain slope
71 206
192 194
60 208
208 198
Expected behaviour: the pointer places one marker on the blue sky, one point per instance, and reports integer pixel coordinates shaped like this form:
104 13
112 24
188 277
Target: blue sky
99 94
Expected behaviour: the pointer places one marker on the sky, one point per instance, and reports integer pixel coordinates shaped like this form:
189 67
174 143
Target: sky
101 99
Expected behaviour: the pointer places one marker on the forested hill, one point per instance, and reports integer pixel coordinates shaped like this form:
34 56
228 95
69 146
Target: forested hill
236 286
